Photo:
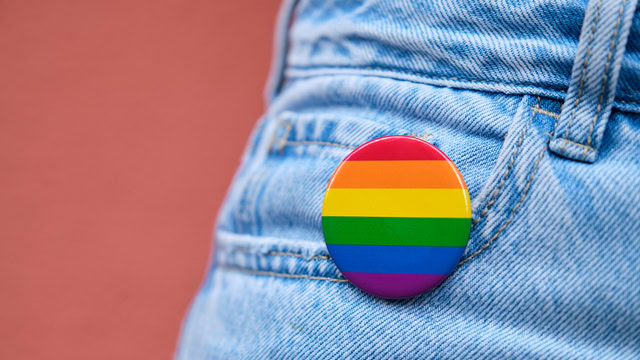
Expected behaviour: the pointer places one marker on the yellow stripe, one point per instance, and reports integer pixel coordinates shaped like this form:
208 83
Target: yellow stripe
435 203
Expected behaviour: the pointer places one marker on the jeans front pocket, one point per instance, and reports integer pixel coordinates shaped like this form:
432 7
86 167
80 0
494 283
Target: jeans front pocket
272 271
508 186
318 122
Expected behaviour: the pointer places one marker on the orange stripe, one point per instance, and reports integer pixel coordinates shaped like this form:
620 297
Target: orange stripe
413 174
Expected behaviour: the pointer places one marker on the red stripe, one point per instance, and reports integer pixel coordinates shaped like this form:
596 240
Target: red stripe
396 147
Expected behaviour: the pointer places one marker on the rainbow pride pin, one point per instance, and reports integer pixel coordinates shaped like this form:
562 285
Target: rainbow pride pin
396 216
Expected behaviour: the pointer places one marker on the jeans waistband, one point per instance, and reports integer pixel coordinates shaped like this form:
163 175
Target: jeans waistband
525 47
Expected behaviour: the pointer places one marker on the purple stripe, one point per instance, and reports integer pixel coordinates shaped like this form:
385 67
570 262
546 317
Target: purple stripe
394 286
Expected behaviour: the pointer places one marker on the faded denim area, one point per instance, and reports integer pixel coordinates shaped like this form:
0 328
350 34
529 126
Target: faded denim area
551 270
508 46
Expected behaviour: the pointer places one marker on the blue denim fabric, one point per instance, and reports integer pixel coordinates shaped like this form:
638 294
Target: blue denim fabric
594 79
551 270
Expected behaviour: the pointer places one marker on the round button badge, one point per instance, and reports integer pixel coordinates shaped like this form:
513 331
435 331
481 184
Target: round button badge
396 216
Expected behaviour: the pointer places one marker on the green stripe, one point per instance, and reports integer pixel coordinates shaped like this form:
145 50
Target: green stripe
351 230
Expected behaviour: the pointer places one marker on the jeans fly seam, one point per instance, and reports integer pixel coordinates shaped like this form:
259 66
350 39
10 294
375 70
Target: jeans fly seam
290 276
518 204
585 65
508 170
605 76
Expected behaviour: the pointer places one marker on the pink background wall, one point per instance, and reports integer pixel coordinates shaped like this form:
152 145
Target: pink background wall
121 124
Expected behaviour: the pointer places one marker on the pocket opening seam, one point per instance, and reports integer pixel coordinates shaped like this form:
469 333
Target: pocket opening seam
526 189
505 176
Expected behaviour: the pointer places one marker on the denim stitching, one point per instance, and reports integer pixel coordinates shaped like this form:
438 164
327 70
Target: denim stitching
605 77
283 142
506 173
273 136
285 135
628 102
280 253
517 205
545 112
416 73
309 142
585 147
427 76
424 137
584 68
316 257
291 276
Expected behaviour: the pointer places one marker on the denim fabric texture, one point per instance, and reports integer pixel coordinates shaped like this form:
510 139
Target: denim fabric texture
596 68
551 269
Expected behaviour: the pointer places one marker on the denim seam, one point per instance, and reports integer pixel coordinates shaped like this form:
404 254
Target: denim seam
283 142
425 136
518 204
285 135
545 112
508 170
427 76
605 76
585 65
280 253
282 275
312 142
585 147
325 143
628 102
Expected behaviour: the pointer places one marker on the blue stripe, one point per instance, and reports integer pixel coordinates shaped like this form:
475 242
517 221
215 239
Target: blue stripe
396 259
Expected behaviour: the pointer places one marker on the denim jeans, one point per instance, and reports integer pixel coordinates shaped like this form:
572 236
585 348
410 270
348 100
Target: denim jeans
538 105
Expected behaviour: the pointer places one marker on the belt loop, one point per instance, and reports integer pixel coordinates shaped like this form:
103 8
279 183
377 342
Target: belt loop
593 79
280 42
